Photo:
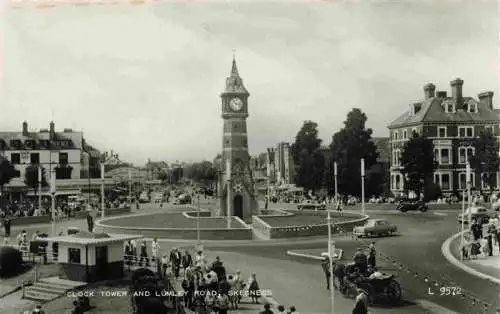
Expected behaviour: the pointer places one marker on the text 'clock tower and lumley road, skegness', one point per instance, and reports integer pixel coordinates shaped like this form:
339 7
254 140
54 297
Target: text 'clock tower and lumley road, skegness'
235 150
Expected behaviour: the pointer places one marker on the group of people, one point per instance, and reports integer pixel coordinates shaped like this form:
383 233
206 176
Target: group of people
477 243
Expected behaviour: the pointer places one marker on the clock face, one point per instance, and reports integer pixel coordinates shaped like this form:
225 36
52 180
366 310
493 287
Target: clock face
236 104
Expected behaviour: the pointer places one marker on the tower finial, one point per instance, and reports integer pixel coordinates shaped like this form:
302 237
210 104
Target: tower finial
234 69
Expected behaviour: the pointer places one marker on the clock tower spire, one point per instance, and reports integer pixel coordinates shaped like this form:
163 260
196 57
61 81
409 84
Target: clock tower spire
239 181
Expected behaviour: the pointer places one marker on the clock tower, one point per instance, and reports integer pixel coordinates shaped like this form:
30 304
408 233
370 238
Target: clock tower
238 181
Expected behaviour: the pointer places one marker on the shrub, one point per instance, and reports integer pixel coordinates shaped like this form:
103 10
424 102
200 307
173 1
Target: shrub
432 192
11 261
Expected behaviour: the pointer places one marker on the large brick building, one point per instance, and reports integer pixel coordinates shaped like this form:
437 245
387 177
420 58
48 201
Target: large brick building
452 122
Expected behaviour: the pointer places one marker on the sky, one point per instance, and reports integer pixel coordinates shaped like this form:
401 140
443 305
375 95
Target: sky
145 80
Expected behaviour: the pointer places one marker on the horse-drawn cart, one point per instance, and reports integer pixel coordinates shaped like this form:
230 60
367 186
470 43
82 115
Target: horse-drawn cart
378 287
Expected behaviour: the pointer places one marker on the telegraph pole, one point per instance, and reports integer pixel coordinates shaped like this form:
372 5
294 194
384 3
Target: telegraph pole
53 193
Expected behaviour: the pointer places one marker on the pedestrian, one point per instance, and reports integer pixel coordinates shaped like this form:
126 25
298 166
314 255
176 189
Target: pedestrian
267 309
35 235
222 303
164 265
325 264
6 226
186 261
491 233
360 260
477 230
133 247
281 309
76 308
253 288
144 254
38 310
155 249
218 268
128 253
175 261
372 255
361 305
90 222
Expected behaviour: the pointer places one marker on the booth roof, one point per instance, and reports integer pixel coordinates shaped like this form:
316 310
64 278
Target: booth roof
86 238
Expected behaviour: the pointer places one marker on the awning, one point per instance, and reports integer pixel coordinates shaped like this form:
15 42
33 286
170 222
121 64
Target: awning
47 193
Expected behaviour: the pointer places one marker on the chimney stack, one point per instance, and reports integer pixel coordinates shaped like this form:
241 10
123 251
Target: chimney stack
486 99
456 88
25 128
429 90
441 94
52 130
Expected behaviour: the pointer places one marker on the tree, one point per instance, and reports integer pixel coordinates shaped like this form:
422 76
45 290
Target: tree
308 160
7 172
348 146
31 177
417 160
204 172
486 160
163 176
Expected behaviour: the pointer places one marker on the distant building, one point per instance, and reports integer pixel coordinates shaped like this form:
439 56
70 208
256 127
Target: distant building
279 161
452 122
154 168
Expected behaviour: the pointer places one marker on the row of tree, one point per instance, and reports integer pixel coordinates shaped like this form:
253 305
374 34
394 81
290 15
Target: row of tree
314 169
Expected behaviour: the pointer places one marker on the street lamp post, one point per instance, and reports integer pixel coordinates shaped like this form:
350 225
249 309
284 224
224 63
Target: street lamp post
462 226
198 223
130 188
102 190
335 173
268 200
469 197
53 193
363 186
228 179
39 188
330 261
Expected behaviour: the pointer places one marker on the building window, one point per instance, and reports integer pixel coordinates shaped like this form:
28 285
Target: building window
63 158
488 129
445 181
395 135
484 183
35 158
414 132
472 108
445 156
398 182
405 134
450 108
466 131
74 256
15 158
396 155
464 154
442 131
462 181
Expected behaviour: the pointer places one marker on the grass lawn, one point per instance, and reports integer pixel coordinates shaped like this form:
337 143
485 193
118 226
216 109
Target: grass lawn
301 220
169 220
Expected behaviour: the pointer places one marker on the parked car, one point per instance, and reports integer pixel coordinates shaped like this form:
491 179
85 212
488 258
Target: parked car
406 205
375 227
311 206
479 213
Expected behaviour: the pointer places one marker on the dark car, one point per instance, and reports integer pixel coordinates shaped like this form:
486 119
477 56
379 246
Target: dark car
406 205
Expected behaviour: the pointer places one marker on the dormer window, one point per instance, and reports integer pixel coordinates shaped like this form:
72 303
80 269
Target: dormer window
450 108
472 108
416 108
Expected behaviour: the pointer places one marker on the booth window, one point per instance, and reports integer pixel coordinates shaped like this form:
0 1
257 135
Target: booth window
74 256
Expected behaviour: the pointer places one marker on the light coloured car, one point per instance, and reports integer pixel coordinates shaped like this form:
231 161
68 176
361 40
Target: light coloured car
375 227
479 213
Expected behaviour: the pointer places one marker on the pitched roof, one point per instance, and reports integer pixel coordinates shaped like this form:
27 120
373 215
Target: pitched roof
73 139
432 110
234 83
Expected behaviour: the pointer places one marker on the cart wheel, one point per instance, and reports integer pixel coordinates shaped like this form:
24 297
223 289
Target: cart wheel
393 291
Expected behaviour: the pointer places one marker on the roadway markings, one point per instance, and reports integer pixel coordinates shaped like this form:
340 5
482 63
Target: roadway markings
433 307
440 214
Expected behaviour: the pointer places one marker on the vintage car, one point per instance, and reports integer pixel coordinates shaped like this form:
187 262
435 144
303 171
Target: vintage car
375 227
479 213
311 206
406 205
